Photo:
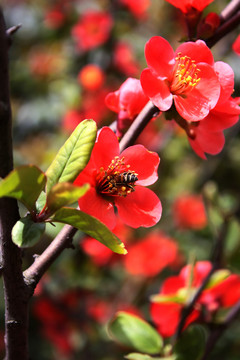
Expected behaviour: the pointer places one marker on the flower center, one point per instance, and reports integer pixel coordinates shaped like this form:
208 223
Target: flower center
117 180
185 76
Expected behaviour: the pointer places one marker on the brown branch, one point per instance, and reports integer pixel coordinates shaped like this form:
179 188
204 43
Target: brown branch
141 121
230 10
224 29
42 262
15 290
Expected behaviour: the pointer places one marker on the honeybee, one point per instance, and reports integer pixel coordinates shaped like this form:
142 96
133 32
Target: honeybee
126 179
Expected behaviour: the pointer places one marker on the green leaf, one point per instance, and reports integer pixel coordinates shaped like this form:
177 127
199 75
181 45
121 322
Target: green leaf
63 194
91 226
73 155
41 201
218 277
24 183
191 344
26 233
138 356
136 333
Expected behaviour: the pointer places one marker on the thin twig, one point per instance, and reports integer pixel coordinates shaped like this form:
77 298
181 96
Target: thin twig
216 263
230 10
217 333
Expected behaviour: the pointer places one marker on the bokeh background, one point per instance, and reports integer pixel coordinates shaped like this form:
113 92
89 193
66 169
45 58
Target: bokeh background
53 88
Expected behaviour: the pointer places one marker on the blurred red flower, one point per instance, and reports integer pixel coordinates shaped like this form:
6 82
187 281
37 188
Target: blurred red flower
150 256
101 254
189 212
186 5
124 59
137 7
56 326
222 290
185 77
236 45
117 182
91 77
93 29
128 101
93 107
207 135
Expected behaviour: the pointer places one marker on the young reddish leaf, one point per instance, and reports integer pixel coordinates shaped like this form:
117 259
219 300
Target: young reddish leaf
136 333
73 155
26 233
91 226
24 183
63 194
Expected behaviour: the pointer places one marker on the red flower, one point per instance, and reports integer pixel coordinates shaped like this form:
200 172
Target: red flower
222 291
128 101
186 5
207 135
92 30
137 7
101 254
189 212
124 59
158 247
236 45
186 77
91 77
118 180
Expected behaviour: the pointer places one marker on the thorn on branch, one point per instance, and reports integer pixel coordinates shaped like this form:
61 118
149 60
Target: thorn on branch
11 31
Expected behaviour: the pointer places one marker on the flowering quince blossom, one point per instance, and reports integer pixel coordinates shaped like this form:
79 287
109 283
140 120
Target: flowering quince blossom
207 135
92 30
128 101
137 7
186 5
222 291
124 59
185 77
117 182
161 249
189 212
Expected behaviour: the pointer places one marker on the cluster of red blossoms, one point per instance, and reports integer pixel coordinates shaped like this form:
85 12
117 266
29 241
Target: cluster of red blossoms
188 86
221 292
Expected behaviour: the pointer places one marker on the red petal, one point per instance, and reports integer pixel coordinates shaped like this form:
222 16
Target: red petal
140 208
172 285
166 317
157 90
95 205
197 51
210 142
197 103
226 77
160 57
105 149
143 162
112 101
132 97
